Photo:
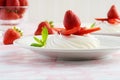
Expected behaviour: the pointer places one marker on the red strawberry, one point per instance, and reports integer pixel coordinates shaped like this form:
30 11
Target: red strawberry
41 25
113 16
12 3
71 20
11 35
71 23
23 2
2 2
113 13
5 14
22 10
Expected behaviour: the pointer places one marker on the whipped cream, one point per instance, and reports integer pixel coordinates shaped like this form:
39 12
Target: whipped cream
72 42
109 28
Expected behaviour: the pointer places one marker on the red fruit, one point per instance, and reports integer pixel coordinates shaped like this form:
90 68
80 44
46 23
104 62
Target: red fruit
70 31
23 2
113 13
5 14
101 19
2 2
71 20
12 3
41 25
86 31
11 35
21 12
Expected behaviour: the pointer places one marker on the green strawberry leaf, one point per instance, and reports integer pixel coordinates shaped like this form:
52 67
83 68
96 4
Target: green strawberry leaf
41 42
44 35
93 25
36 45
37 40
51 24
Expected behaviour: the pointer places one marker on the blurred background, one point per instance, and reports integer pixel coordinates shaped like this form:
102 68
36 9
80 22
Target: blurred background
54 10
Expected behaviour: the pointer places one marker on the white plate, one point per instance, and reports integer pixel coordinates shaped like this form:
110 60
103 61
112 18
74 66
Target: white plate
109 44
105 33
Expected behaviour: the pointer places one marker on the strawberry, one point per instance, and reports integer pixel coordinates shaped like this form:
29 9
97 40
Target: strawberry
113 17
5 14
11 35
71 23
21 12
71 20
23 2
113 13
41 25
84 30
2 2
12 3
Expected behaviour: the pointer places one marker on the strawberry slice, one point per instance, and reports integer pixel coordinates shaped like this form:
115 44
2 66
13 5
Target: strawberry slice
101 19
84 30
41 25
11 35
113 13
114 21
70 31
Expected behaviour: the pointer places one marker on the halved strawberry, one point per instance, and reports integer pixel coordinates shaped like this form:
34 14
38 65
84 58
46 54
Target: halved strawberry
113 13
41 25
71 23
71 20
11 35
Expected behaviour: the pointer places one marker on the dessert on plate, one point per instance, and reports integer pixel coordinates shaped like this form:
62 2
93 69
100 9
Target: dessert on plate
72 36
111 24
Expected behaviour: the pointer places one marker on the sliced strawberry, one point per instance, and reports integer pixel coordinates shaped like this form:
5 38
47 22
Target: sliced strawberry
113 13
70 31
83 30
6 15
2 2
101 19
41 25
114 21
71 20
11 35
